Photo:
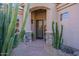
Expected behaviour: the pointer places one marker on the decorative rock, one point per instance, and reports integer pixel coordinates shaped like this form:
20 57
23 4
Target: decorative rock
76 53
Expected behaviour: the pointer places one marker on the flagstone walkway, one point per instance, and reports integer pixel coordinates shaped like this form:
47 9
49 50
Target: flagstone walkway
36 48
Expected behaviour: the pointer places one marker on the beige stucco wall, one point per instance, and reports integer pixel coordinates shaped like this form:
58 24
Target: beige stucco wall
50 14
71 26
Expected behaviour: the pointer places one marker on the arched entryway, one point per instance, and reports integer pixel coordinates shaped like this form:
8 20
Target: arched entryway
38 23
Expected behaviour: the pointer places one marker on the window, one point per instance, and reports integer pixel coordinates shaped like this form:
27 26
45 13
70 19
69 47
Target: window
64 16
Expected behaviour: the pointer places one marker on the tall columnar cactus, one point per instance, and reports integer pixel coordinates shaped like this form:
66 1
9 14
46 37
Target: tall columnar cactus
25 15
57 35
1 30
10 31
19 38
8 20
5 14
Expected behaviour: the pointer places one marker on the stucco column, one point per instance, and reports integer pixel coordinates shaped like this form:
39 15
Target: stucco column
28 29
51 16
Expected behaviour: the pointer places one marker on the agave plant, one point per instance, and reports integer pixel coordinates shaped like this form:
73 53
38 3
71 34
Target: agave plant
57 35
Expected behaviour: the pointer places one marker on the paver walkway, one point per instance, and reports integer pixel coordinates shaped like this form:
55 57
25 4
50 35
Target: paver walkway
35 48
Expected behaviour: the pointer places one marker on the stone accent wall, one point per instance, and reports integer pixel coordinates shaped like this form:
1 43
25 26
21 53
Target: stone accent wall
49 38
28 37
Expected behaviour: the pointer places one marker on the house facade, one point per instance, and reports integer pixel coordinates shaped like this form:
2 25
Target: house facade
39 22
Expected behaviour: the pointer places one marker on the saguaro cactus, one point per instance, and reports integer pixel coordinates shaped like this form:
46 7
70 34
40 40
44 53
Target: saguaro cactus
57 35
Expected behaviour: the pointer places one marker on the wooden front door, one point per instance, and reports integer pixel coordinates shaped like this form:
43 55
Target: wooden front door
39 29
